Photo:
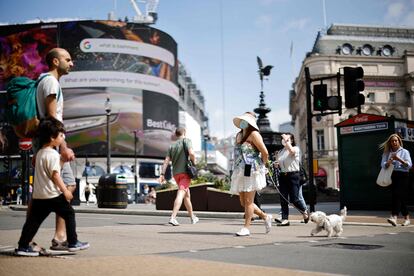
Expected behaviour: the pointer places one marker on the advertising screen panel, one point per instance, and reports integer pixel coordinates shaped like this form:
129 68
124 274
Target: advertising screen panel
22 52
133 65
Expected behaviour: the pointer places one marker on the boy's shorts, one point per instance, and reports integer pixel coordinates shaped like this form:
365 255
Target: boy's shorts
183 181
67 175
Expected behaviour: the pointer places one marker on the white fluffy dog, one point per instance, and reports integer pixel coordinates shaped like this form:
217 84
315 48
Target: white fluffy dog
331 223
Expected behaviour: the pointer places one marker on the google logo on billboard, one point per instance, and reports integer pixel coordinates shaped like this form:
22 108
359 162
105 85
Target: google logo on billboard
86 45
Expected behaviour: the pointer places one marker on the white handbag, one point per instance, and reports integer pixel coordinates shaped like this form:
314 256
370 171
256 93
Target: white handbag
384 176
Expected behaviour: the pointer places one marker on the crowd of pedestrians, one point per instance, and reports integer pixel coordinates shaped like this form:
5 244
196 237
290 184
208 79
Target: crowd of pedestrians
54 182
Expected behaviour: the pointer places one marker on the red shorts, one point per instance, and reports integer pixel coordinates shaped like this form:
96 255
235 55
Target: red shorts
183 181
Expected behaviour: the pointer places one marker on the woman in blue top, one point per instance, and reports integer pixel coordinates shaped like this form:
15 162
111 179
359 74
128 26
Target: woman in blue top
249 171
395 154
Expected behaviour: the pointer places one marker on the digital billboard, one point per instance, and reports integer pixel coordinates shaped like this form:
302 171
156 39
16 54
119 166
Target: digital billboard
22 51
133 65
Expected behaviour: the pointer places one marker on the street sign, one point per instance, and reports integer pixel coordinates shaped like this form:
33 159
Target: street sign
25 143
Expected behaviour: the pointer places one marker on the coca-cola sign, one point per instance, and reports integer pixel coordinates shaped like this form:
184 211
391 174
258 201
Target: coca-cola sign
361 119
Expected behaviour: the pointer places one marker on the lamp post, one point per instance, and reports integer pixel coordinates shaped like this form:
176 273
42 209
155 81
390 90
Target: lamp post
108 107
135 165
206 138
87 169
205 148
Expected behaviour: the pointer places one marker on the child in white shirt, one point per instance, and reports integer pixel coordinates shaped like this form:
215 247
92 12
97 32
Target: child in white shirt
49 192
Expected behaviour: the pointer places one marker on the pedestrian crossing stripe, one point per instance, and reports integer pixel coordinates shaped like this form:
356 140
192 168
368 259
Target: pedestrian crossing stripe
6 248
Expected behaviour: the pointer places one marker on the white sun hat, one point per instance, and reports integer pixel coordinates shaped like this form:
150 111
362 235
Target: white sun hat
250 119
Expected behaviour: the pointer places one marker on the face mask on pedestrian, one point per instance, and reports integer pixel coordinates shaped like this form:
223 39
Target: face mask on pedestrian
243 124
284 142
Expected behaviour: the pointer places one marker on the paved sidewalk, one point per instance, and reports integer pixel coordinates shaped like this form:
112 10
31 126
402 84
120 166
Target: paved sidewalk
364 217
121 250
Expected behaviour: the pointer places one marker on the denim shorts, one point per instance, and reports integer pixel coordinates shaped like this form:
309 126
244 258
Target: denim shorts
67 175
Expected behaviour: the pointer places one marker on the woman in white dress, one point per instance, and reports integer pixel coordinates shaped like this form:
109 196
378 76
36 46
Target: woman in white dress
249 171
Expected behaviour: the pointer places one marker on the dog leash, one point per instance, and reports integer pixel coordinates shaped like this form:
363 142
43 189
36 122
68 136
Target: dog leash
270 173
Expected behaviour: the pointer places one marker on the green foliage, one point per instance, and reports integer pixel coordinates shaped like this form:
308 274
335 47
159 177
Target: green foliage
221 183
165 186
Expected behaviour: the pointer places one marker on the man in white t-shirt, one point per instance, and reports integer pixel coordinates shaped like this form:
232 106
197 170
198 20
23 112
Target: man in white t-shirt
50 103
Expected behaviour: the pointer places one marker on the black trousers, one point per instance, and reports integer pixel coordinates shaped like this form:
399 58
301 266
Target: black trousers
41 208
289 187
87 194
399 192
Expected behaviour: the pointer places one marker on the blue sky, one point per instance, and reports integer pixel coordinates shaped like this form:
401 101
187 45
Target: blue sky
218 41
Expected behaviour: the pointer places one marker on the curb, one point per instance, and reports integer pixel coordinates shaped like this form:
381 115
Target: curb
200 214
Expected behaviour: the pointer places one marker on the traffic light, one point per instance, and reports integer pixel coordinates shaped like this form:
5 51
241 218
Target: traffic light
353 84
335 103
320 99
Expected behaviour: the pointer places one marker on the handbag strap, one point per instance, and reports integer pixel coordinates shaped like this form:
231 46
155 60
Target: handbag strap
302 169
185 150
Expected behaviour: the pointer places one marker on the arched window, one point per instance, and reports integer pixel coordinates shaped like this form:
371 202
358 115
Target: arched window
347 49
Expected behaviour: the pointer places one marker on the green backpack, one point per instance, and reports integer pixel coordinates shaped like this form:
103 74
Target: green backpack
21 108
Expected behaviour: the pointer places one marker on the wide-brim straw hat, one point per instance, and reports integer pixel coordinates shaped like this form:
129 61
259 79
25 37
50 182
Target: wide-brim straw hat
250 119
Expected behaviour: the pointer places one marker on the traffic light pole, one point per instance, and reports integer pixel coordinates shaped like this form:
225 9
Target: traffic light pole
312 188
353 84
309 80
25 176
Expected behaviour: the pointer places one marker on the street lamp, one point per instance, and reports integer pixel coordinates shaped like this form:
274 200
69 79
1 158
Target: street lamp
87 169
135 165
108 107
206 138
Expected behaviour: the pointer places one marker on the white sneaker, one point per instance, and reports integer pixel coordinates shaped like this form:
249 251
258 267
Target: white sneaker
392 221
278 219
173 222
243 232
284 222
406 222
194 220
268 223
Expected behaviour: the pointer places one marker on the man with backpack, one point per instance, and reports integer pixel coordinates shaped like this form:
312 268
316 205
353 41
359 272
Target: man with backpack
49 100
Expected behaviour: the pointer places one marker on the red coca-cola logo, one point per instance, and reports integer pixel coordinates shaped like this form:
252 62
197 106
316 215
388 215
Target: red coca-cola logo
361 119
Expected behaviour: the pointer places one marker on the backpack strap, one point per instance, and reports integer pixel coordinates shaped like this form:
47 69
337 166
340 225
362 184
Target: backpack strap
47 75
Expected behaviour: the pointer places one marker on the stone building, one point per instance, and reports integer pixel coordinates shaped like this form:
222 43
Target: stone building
387 56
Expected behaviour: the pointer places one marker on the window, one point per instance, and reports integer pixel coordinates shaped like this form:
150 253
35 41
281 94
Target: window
371 97
367 50
387 50
152 170
347 49
93 170
392 98
320 139
123 169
